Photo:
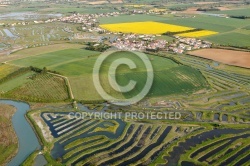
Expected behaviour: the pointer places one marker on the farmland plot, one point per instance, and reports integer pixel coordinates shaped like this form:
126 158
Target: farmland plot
225 56
198 33
176 80
230 39
54 58
43 87
16 82
217 24
144 27
6 69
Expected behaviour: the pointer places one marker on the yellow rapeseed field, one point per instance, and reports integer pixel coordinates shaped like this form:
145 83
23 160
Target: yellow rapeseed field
148 27
198 33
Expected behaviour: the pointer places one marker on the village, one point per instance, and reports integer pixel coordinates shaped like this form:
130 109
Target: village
91 31
131 41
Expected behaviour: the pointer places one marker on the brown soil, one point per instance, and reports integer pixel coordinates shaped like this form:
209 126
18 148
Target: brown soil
192 10
230 57
204 3
224 8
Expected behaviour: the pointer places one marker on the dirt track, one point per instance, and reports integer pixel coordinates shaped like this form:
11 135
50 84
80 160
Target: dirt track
236 58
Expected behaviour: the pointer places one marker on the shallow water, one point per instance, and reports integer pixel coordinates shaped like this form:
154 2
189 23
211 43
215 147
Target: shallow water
8 33
40 160
197 139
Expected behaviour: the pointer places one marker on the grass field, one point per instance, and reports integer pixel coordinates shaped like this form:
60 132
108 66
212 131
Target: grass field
46 49
83 88
217 24
232 39
247 27
77 62
237 12
39 50
64 8
8 139
130 18
77 65
144 27
88 10
169 78
15 82
52 58
176 80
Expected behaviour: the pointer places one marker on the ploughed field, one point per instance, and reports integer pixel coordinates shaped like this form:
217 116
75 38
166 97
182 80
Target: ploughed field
230 57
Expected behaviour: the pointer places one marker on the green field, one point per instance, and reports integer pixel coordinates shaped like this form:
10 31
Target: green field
170 78
77 65
54 58
247 27
210 23
15 82
176 80
82 10
130 18
237 12
64 8
45 49
85 66
232 39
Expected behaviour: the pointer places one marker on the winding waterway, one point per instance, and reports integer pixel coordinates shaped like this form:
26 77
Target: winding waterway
27 140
